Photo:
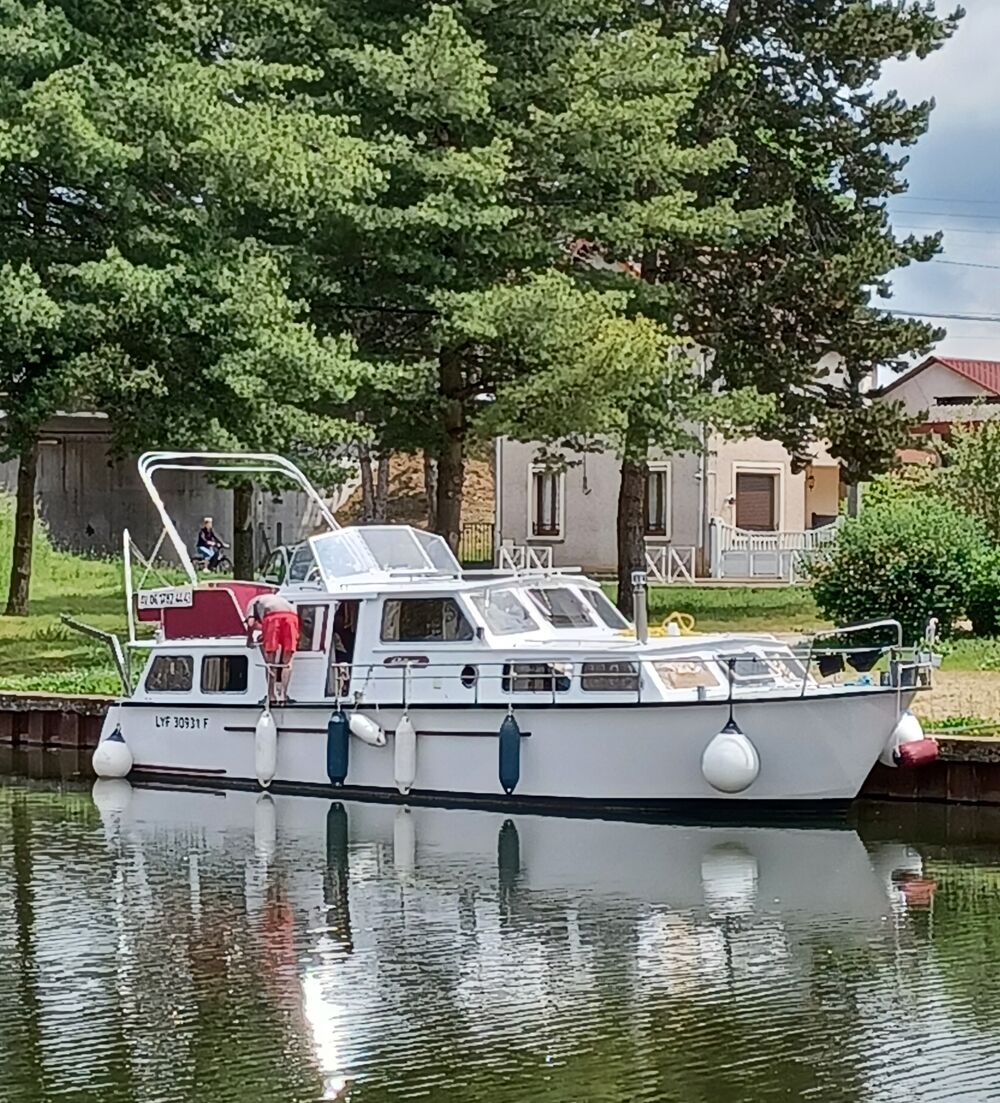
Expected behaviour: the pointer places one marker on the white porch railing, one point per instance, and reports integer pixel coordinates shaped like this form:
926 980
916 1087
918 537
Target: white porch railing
666 564
523 557
739 553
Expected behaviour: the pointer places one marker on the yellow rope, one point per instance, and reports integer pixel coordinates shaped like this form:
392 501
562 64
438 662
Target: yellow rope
684 622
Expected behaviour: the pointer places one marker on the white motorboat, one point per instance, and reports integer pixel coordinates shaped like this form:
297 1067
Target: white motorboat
414 678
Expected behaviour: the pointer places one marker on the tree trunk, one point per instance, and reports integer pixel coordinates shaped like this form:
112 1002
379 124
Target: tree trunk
243 558
451 462
24 531
382 489
367 486
631 538
431 489
853 499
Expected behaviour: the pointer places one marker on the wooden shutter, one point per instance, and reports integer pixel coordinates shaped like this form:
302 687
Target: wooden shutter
755 496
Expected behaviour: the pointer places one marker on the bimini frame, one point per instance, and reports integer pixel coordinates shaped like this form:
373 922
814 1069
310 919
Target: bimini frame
250 463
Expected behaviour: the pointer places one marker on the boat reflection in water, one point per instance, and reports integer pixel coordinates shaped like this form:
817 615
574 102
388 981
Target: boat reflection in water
474 956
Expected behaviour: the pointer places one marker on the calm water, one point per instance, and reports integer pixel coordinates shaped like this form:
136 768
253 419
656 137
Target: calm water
161 945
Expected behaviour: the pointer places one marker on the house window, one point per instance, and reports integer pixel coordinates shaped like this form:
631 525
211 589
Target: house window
170 674
224 674
546 502
656 505
424 619
756 501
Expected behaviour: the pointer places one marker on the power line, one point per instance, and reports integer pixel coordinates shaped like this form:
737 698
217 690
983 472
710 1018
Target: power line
943 199
951 214
964 263
942 229
990 318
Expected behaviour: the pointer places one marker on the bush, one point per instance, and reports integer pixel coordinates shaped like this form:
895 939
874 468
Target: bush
908 559
984 597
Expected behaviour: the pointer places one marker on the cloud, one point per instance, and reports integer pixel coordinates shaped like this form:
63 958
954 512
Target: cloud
953 174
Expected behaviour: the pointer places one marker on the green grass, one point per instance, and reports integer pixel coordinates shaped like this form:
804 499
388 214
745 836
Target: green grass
38 652
737 608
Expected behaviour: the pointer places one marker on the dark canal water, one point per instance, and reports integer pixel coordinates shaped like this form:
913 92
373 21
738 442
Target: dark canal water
166 945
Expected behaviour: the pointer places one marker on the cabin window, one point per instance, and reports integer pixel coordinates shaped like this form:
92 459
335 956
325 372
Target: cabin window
546 502
535 678
423 619
274 568
748 668
302 567
224 673
598 601
312 627
170 674
610 677
685 674
656 503
562 608
504 612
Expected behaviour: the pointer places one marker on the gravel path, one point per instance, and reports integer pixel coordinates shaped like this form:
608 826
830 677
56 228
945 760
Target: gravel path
961 693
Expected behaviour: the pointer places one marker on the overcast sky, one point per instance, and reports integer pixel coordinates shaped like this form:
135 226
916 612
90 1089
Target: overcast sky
954 176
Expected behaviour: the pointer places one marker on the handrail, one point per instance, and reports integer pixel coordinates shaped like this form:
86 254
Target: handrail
248 462
357 678
847 629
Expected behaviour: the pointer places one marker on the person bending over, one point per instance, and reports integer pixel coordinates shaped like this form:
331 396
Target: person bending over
278 624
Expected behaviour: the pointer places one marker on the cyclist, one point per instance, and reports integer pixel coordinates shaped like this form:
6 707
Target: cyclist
210 544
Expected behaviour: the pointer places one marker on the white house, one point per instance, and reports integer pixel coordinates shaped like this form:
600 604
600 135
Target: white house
946 389
736 510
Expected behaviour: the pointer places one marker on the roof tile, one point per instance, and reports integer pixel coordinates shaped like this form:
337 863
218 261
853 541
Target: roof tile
984 373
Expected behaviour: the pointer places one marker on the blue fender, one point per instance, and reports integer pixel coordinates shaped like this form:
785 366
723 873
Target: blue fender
338 740
510 754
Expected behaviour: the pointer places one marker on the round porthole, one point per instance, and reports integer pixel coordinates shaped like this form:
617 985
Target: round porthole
469 676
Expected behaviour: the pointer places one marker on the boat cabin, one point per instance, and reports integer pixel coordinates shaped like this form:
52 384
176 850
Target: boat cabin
388 617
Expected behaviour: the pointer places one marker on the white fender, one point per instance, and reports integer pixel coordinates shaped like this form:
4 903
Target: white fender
265 827
366 729
908 730
265 748
404 841
112 758
405 757
730 762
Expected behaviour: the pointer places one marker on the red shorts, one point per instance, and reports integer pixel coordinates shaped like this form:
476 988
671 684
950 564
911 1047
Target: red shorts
280 631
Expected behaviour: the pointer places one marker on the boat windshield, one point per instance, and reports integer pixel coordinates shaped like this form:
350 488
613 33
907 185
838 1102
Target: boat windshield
561 607
301 564
504 612
599 602
376 548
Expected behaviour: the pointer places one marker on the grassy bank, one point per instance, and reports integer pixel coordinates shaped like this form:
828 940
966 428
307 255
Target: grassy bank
730 609
40 653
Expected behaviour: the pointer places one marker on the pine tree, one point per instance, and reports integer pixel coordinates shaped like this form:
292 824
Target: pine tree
152 165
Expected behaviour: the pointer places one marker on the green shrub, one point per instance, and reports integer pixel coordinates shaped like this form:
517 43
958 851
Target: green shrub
908 559
984 597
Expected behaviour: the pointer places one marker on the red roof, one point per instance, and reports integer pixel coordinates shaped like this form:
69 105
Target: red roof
984 373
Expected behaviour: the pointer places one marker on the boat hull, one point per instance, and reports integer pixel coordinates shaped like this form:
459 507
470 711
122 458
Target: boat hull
813 748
